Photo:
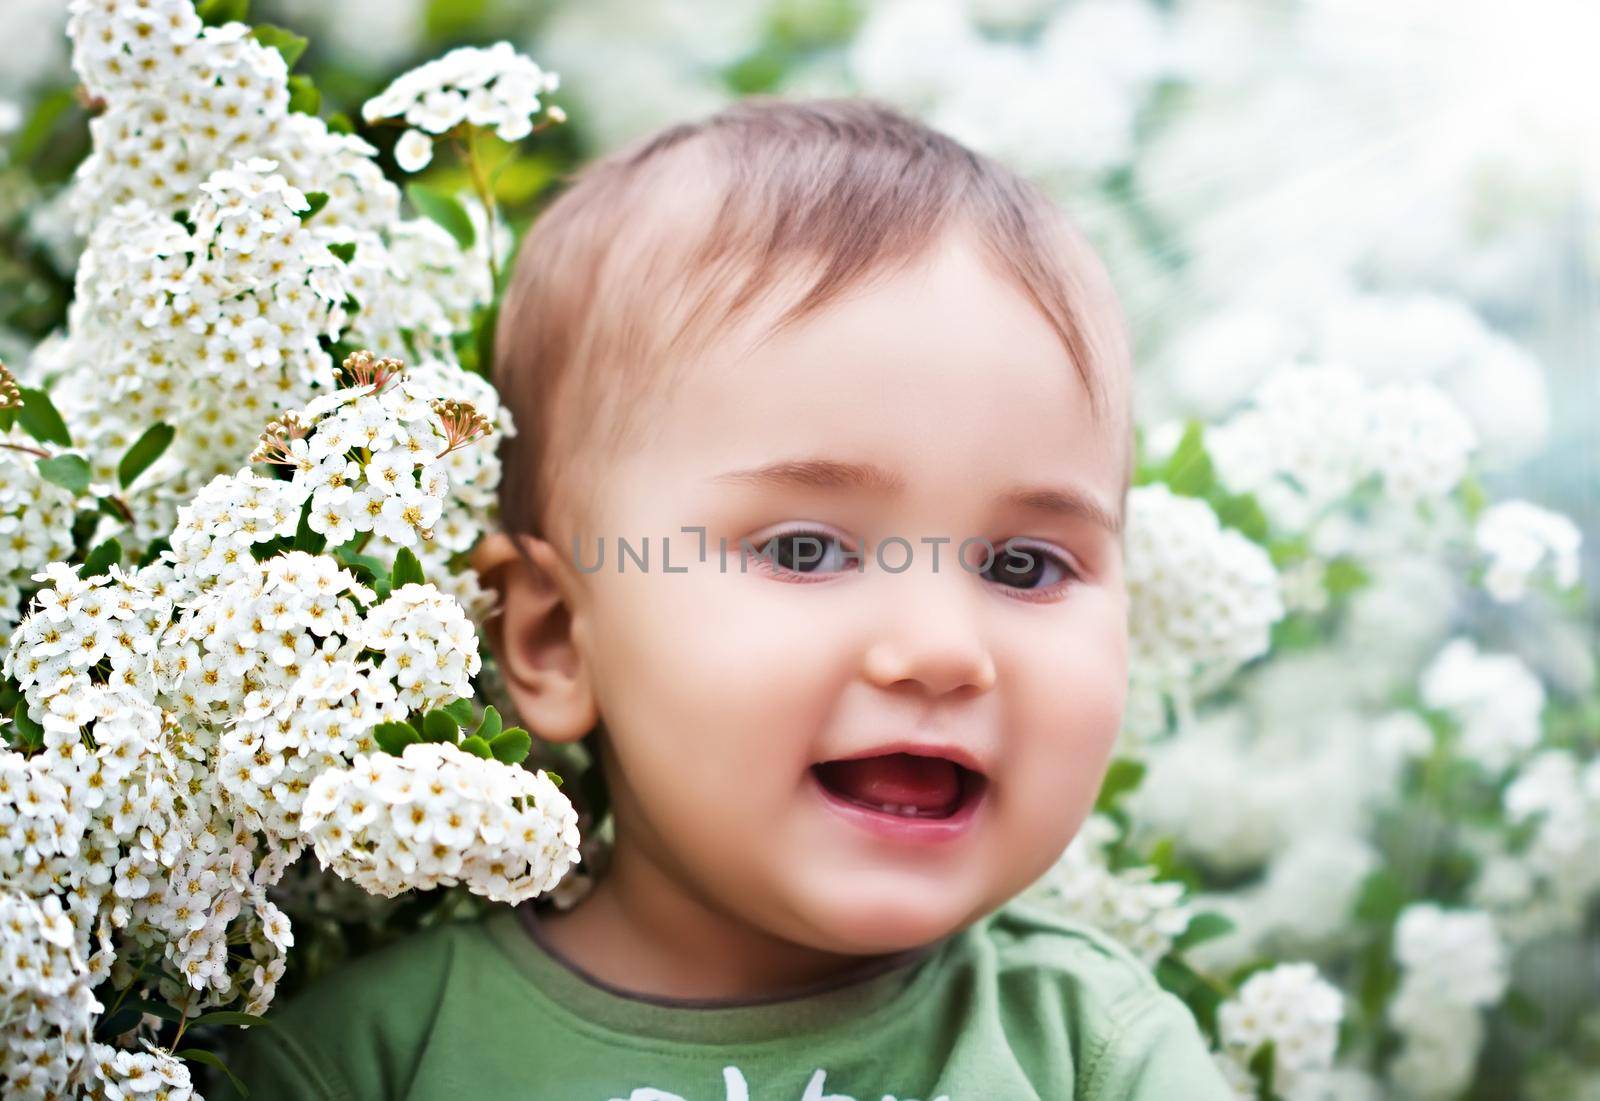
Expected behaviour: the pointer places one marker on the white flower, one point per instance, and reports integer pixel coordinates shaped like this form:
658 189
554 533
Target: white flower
129 1075
494 86
1315 433
47 1008
1519 538
1202 598
1453 957
1495 697
1452 964
413 151
1292 1006
438 816
429 648
1129 905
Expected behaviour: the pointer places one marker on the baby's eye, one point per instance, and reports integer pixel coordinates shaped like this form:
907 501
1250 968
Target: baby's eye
804 551
1021 566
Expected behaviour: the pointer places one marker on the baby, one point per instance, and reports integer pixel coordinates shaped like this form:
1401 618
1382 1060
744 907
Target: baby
813 532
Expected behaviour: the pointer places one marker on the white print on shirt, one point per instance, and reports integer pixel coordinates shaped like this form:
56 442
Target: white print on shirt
736 1089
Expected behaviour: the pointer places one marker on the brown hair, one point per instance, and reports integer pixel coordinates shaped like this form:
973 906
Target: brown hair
655 249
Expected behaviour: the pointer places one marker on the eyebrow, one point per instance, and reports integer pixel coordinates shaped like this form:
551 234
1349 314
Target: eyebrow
1067 501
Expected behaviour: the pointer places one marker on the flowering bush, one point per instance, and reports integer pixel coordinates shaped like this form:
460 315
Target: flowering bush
235 614
1352 817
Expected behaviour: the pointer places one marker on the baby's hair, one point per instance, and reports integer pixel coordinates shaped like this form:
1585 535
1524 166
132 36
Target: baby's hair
655 250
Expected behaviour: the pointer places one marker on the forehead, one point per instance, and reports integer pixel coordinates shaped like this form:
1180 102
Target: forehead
943 374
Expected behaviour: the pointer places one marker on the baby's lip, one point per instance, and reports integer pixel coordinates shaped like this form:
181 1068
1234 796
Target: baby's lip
954 753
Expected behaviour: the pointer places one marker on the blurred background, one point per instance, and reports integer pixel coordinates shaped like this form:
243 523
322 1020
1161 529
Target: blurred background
1406 187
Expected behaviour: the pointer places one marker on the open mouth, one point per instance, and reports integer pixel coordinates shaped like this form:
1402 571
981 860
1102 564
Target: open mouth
902 785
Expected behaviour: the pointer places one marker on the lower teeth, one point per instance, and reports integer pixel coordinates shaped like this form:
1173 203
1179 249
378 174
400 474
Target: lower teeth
906 811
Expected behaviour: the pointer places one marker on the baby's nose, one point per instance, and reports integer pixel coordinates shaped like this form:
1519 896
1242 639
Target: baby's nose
929 629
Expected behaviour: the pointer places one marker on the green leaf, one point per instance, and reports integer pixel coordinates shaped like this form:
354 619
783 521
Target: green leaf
489 728
1262 1065
1193 989
364 566
511 746
214 13
287 43
344 250
153 552
1523 1009
306 538
555 777
34 137
757 72
271 548
231 1017
446 210
144 451
1381 899
1345 575
1201 928
303 95
101 559
196 1055
394 737
1243 512
459 710
484 339
70 472
39 418
316 200
1122 776
25 733
380 589
340 123
1188 471
477 747
445 19
407 570
128 1014
440 726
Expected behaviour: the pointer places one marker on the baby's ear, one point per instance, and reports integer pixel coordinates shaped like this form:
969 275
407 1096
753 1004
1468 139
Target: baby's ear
531 635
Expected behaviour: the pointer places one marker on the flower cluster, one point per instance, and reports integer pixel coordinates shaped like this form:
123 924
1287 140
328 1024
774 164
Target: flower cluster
1298 1012
47 1009
122 1075
1452 965
1545 884
384 459
290 238
1203 598
164 724
212 330
1313 435
493 87
1143 914
35 520
1496 699
1519 539
182 100
437 816
289 632
175 717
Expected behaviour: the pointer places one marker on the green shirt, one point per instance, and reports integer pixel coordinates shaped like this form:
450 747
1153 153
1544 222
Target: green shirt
1019 1006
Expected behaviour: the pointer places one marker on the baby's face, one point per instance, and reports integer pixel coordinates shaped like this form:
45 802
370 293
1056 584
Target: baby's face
722 688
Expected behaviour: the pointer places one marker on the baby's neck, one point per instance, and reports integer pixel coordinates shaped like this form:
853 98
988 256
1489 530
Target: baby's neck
653 939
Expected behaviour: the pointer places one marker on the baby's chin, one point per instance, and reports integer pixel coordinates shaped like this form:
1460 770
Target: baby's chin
874 912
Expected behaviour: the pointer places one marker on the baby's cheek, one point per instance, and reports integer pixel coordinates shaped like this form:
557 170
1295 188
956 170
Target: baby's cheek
1056 750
